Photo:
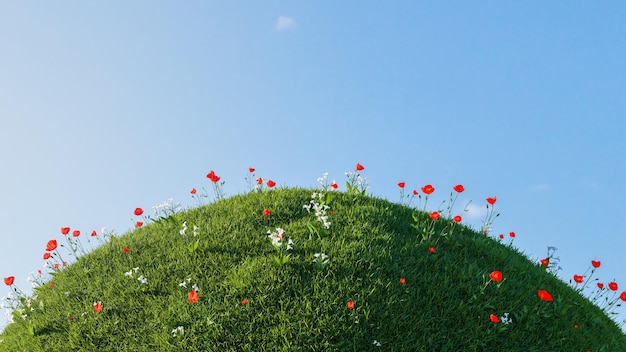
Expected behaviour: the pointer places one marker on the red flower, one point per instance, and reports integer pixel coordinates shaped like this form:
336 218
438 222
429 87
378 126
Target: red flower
622 296
435 215
350 303
544 295
334 185
496 276
193 191
600 285
491 201
213 177
415 192
428 189
251 169
259 180
545 262
575 326
595 263
193 296
432 249
459 188
138 211
245 301
76 233
613 286
402 280
52 245
512 234
578 278
51 284
359 167
56 266
501 236
46 256
97 307
125 250
65 230
9 280
138 224
494 318
458 218
401 184
94 233
266 212
271 183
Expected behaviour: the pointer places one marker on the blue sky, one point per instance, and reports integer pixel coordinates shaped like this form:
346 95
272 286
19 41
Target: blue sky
105 107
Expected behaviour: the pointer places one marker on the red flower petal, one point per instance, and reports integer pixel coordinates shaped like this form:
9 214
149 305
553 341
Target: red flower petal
46 256
578 278
138 211
600 285
613 286
97 307
259 180
251 169
402 280
459 188
350 303
458 218
595 263
512 234
266 212
334 185
9 280
622 296
359 167
491 200
494 318
401 184
245 301
496 276
193 191
94 233
432 249
428 189
545 262
51 245
192 296
435 215
415 192
76 233
138 224
125 249
65 230
271 183
544 295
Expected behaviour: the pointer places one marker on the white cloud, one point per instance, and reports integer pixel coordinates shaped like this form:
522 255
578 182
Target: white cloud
474 211
284 23
539 188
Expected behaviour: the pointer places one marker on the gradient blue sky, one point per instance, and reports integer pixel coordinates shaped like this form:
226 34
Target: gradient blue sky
108 106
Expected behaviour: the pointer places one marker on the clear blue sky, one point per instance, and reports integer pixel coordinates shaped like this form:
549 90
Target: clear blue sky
108 106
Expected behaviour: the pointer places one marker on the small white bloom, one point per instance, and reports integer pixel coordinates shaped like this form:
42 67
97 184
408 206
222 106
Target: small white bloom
178 330
376 343
143 280
129 273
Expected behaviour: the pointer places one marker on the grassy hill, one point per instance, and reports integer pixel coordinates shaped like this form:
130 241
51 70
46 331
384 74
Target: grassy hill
371 282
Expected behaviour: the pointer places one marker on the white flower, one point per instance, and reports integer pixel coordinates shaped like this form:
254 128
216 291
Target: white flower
195 230
143 280
129 273
178 330
505 319
182 231
376 343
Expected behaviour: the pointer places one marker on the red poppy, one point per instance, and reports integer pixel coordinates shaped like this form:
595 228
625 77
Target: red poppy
415 192
97 307
65 230
56 266
491 201
458 218
94 233
401 184
435 215
193 296
138 211
350 303
259 180
251 169
402 280
622 296
46 256
76 233
245 301
359 167
138 224
51 284
213 177
512 234
125 249
544 295
432 249
193 191
545 262
578 278
496 276
575 326
494 318
595 263
501 236
271 183
9 280
600 285
459 188
334 185
266 212
52 245
613 286
428 189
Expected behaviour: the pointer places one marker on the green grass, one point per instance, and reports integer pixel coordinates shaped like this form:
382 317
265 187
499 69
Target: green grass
444 305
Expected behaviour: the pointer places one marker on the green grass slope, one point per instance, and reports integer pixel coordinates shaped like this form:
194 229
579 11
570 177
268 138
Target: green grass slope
444 304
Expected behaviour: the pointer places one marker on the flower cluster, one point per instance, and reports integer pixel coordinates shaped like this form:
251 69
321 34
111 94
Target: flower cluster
319 207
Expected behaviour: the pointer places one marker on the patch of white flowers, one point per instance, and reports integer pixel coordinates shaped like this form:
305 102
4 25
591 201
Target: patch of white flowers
319 208
505 319
277 237
166 209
